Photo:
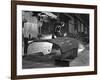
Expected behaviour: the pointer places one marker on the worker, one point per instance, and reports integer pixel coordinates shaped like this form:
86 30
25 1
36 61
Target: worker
30 31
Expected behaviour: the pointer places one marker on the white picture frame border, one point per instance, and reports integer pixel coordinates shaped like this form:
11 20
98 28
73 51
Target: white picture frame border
21 71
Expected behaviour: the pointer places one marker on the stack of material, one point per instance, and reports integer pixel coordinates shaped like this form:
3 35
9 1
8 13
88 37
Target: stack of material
65 43
44 47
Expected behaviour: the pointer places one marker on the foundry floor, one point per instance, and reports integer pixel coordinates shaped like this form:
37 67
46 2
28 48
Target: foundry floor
35 61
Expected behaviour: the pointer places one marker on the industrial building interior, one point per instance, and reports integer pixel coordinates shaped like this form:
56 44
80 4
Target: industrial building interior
52 39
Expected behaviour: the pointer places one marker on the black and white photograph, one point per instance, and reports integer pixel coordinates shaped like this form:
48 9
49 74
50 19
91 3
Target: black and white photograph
52 39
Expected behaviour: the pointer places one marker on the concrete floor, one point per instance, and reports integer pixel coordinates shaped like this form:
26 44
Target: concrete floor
40 61
82 59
